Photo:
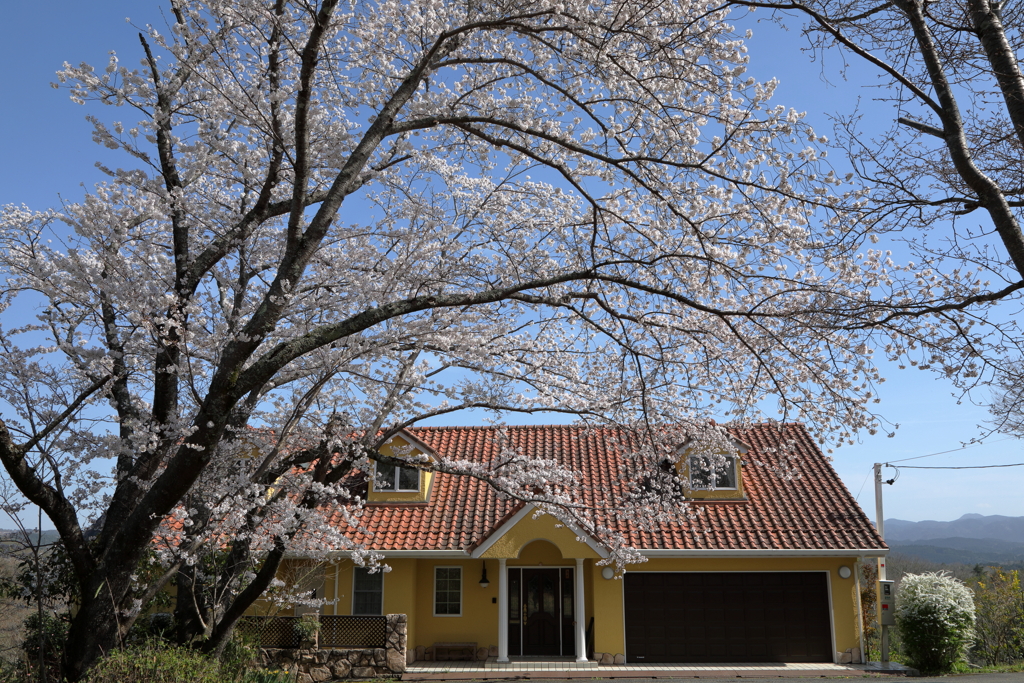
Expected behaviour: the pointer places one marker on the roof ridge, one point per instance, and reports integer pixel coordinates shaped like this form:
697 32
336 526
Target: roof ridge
727 425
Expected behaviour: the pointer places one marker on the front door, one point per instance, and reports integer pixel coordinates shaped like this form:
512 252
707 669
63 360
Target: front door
540 601
542 614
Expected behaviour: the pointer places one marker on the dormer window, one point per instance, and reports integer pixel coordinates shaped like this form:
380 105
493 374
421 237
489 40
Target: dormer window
712 473
394 478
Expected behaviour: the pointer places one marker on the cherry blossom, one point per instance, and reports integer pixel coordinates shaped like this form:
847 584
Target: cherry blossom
338 220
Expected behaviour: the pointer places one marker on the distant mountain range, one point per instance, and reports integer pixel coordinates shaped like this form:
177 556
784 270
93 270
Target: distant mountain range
972 539
970 525
11 538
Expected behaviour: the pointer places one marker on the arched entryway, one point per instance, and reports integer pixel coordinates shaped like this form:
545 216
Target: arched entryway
541 599
542 596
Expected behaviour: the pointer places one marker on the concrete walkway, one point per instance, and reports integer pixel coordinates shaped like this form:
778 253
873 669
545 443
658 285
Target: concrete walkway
784 678
521 668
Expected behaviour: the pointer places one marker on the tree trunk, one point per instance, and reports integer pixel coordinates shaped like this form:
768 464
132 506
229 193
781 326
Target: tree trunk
223 629
189 608
95 630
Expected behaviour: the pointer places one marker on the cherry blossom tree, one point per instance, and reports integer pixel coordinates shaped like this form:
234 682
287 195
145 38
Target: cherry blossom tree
339 220
949 172
1006 408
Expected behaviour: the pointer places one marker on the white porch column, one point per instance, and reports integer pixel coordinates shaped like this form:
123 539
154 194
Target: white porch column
502 611
581 615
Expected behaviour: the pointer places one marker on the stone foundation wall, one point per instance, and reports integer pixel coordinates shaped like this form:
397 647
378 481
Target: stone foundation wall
607 658
313 665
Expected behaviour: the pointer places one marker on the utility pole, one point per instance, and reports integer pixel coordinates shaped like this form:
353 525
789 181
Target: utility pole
880 525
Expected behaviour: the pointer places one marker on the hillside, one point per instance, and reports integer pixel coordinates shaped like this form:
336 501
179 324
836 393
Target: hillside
972 539
12 540
969 551
970 526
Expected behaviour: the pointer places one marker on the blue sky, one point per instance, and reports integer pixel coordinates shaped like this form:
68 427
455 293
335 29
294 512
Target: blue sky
47 154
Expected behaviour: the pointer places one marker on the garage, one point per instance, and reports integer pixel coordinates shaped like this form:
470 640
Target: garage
722 617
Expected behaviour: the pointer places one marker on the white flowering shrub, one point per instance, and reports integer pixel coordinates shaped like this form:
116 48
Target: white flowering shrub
935 618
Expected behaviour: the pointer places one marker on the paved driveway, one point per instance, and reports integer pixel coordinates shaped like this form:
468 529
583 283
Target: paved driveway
966 678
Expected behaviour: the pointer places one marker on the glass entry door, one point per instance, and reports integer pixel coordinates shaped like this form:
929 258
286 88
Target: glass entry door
540 611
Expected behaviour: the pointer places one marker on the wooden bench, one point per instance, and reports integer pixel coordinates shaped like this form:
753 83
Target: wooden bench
454 652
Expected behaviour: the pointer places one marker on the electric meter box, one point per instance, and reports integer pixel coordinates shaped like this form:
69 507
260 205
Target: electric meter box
886 603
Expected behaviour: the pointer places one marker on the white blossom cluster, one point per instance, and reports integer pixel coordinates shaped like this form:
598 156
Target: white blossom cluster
936 597
935 617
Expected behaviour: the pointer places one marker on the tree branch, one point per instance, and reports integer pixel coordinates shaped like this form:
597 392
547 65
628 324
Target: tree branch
923 127
68 412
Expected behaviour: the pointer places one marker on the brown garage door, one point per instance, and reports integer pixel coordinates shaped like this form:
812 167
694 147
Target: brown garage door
727 617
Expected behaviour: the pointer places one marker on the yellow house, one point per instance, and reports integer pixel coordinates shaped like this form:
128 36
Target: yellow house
766 572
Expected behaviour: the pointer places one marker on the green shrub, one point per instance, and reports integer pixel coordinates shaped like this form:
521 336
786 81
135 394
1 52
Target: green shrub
999 628
868 604
156 662
240 657
48 634
935 620
268 677
16 672
308 628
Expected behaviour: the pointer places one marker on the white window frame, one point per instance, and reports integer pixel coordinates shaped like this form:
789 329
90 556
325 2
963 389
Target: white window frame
433 599
734 460
396 481
355 572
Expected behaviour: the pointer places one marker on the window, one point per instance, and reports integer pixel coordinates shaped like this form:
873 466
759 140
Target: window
392 478
447 591
712 473
368 592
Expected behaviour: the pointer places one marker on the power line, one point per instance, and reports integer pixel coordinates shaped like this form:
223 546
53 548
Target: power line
962 448
966 467
861 490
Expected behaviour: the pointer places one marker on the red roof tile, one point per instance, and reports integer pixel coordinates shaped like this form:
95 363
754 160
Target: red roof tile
813 511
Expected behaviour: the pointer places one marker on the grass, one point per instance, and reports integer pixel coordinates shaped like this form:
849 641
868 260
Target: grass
964 668
12 615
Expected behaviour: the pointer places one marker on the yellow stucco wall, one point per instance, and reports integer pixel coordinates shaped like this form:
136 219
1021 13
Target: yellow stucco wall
310 575
398 586
479 620
541 553
342 601
409 586
609 629
409 589
544 527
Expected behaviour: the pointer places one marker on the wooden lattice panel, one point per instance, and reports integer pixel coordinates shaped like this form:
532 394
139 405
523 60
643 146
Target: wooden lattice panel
352 631
272 631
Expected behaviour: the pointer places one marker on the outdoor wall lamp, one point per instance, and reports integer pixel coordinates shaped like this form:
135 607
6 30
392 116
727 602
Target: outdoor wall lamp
484 583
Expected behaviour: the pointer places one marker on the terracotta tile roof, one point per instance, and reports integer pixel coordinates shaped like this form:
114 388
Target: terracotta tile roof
814 511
